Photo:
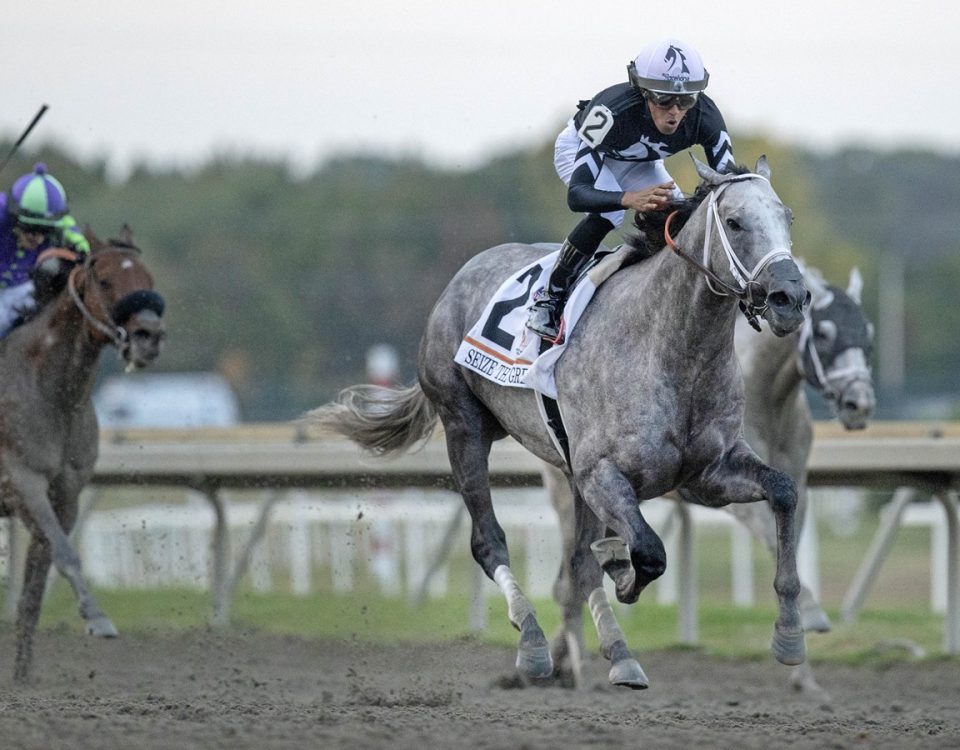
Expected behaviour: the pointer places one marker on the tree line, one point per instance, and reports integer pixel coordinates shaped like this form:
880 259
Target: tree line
281 282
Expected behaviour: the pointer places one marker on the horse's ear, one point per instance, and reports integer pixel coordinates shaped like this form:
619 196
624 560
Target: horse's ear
91 237
813 280
763 169
126 235
855 287
708 175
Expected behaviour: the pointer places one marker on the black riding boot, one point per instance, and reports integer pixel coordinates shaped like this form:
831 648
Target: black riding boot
546 312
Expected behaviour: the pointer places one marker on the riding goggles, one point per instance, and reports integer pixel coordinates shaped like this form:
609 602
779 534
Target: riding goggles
41 229
666 101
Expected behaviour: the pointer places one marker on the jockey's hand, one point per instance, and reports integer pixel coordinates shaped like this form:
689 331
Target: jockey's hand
648 199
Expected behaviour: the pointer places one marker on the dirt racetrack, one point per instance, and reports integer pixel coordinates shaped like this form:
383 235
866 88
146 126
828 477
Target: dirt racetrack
245 690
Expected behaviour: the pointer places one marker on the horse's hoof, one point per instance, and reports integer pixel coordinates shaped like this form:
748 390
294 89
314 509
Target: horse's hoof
613 556
815 620
101 627
628 673
803 681
609 550
788 646
629 592
535 662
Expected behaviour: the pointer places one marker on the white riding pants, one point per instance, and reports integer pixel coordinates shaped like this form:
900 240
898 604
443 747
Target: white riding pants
14 301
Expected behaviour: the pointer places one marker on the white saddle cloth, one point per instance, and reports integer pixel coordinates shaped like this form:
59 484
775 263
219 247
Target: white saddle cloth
502 349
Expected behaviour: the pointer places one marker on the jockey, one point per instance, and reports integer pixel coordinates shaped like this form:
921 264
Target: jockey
611 155
33 217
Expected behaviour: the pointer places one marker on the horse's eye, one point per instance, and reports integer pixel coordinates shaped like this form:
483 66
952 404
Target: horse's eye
734 225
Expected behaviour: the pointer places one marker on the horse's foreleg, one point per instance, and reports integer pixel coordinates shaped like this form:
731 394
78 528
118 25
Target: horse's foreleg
625 670
743 478
40 518
637 557
31 599
781 492
759 519
469 454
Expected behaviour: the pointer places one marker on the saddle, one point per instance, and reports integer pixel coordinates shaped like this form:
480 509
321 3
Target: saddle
500 348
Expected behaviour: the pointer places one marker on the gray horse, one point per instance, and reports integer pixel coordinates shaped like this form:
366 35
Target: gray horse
651 396
48 428
830 353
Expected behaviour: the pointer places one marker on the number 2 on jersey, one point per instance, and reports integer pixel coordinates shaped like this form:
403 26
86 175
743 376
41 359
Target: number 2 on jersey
596 124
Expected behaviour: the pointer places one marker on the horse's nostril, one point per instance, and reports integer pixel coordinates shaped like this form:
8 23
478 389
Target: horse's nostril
857 405
778 299
148 339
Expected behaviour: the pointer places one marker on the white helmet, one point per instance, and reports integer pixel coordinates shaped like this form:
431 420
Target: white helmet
669 67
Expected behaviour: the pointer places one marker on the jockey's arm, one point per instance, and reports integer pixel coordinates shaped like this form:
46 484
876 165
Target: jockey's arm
50 272
73 237
584 197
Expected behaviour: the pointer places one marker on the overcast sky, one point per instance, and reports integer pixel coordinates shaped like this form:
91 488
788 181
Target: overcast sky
174 81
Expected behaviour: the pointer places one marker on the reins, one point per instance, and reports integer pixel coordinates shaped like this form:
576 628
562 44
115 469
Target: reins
746 278
115 334
732 290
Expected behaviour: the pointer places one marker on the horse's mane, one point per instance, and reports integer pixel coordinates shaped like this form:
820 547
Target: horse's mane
648 239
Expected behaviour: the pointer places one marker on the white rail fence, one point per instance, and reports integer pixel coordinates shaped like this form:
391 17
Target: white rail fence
326 541
330 512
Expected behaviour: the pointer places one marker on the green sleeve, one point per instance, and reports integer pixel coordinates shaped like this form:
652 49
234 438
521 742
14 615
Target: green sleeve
72 235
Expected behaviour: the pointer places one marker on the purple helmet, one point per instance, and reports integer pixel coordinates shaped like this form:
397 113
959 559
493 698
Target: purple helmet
38 198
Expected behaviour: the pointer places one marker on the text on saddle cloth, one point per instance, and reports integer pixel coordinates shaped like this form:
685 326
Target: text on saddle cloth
501 348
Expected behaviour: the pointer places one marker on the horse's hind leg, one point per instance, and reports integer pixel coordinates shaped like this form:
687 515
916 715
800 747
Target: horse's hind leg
469 435
625 670
566 647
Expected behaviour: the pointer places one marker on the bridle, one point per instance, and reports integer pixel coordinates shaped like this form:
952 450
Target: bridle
749 290
831 384
141 299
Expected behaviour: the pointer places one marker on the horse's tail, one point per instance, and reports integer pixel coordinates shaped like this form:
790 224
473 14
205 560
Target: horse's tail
382 420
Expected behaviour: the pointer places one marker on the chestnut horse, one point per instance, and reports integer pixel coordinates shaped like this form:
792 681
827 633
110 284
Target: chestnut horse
48 428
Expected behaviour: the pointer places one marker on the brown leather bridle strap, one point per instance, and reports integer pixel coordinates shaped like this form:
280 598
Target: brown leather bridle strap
116 335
